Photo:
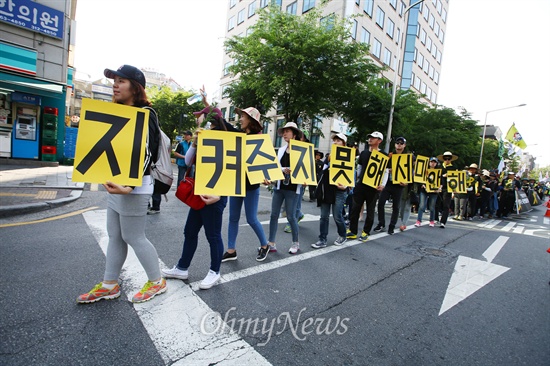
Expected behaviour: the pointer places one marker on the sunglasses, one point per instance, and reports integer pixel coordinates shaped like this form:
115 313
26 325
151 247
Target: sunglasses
400 143
447 158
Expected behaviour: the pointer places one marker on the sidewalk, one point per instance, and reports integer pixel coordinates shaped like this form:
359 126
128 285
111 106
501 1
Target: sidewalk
28 186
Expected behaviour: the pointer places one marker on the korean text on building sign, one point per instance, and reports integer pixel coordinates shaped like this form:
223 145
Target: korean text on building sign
33 16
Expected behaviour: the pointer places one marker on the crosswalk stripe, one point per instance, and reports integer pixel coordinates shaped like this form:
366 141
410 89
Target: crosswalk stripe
508 226
519 229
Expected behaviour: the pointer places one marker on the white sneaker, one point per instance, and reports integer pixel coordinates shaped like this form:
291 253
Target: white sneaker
340 240
320 244
210 280
175 273
294 248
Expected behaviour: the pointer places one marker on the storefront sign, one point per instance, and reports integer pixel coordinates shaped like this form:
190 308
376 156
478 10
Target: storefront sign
33 16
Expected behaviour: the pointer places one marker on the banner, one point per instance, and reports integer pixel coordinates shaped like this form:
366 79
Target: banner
375 169
433 180
342 165
302 163
515 138
420 168
111 143
456 181
522 202
402 168
261 160
220 164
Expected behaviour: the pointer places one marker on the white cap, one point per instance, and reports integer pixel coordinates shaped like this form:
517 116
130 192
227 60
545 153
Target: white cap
376 134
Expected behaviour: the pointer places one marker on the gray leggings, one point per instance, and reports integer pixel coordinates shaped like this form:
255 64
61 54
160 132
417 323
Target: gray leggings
129 230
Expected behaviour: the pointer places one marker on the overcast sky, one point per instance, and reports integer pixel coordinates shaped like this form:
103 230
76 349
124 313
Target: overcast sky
496 53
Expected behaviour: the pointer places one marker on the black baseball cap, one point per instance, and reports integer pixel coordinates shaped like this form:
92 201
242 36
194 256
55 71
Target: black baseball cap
189 133
126 72
402 139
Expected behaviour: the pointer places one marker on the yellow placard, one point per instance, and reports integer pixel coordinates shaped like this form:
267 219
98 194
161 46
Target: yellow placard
420 167
342 165
374 171
111 143
220 163
456 181
302 163
402 168
433 180
261 160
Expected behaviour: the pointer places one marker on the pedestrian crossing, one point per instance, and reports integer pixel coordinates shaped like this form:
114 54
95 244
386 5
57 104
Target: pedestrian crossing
525 227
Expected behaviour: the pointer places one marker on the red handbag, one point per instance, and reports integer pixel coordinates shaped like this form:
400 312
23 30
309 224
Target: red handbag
186 193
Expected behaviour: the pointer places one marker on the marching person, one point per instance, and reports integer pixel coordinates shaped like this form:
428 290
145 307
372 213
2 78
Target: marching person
393 191
447 159
509 186
428 198
127 206
284 191
251 125
210 216
331 195
363 193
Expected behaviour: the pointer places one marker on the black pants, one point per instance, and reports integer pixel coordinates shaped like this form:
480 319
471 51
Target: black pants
363 193
393 191
445 202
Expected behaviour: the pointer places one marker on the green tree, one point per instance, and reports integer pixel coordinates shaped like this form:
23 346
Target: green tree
299 65
175 115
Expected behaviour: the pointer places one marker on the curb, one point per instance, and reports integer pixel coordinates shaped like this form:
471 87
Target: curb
14 210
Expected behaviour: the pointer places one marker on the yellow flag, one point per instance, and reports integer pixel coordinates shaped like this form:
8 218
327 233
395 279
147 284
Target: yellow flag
302 163
261 160
342 166
374 171
515 138
111 143
220 164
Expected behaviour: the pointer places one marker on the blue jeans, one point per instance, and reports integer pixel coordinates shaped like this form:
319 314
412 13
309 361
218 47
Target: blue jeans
429 199
251 209
181 173
336 214
211 218
299 203
156 198
290 198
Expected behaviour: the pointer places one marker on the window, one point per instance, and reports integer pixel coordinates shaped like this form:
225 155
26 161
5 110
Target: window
390 28
439 7
423 88
263 3
441 36
252 9
415 54
357 2
278 139
417 83
436 77
438 56
398 40
328 21
417 30
232 113
231 23
387 57
367 8
354 29
377 48
437 28
224 91
278 3
232 3
380 16
428 93
420 61
434 50
434 2
431 72
393 3
429 44
434 98
316 128
444 16
423 36
226 68
426 67
224 110
365 36
291 9
249 31
308 4
432 21
426 12
402 8
240 17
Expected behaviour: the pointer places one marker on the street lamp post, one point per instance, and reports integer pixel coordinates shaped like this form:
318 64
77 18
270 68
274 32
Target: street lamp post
398 61
485 128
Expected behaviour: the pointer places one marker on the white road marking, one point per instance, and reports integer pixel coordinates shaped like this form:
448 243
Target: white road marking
491 224
173 320
94 187
470 275
508 226
519 229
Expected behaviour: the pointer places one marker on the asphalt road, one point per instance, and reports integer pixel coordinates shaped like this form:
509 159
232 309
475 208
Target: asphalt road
476 293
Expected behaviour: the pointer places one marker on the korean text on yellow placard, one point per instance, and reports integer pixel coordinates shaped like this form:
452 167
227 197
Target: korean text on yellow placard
456 181
302 163
261 160
420 167
374 171
342 166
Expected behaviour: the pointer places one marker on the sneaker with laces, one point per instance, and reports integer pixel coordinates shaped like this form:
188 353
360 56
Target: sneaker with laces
390 230
273 249
364 237
99 293
418 223
378 229
210 280
229 256
340 240
442 226
262 253
319 244
294 248
150 290
350 235
287 228
432 224
152 212
175 272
